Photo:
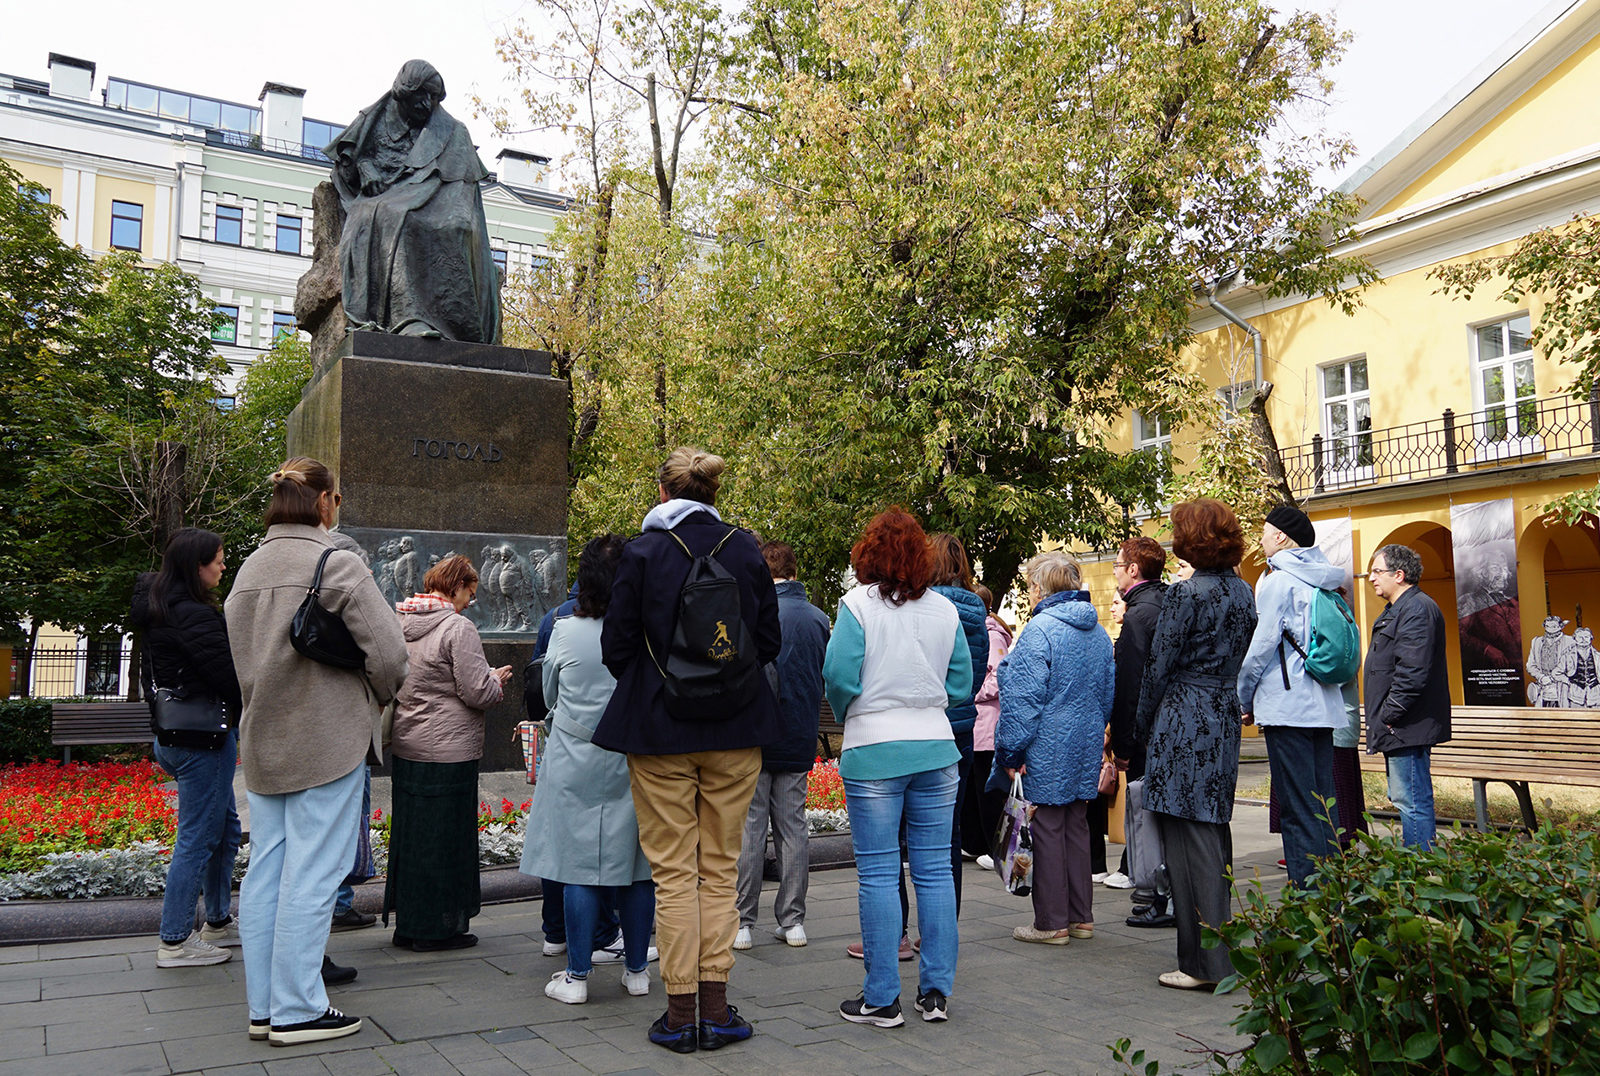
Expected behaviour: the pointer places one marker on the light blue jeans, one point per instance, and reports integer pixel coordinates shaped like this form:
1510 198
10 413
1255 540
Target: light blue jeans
208 836
301 847
1411 792
927 800
583 906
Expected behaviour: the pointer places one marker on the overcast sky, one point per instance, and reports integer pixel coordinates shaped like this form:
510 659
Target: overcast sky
1404 55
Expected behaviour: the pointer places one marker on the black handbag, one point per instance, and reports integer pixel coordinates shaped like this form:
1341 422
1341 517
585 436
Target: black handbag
321 635
181 718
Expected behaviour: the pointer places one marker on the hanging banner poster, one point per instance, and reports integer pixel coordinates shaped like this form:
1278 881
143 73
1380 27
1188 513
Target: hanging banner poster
1337 542
1484 536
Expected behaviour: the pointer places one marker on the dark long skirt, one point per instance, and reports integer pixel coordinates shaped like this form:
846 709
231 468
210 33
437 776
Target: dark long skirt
433 849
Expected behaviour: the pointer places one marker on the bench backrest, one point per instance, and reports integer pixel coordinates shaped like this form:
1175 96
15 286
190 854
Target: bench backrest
99 722
1553 747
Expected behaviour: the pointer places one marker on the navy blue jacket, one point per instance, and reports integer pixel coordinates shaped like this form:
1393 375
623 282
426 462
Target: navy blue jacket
644 602
532 681
805 641
974 625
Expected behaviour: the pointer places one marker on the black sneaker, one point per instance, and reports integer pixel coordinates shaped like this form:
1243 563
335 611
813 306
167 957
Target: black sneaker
439 945
332 1024
353 920
680 1040
932 1006
734 1029
259 1029
857 1011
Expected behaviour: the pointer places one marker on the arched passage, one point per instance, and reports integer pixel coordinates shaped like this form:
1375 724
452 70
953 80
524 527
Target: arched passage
1433 544
1559 575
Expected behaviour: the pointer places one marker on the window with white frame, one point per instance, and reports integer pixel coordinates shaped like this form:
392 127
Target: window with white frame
1346 414
1504 361
1236 397
1151 431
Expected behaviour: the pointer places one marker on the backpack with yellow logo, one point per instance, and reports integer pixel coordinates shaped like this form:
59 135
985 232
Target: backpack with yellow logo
711 671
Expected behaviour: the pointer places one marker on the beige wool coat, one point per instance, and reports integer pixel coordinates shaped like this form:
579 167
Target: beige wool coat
306 723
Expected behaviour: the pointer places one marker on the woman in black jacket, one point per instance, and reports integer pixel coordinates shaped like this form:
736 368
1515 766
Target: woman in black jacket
693 768
186 646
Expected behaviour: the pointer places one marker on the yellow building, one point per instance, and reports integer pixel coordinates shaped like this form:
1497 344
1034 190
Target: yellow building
1399 418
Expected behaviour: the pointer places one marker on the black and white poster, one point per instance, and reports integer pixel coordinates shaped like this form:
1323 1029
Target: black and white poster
1485 543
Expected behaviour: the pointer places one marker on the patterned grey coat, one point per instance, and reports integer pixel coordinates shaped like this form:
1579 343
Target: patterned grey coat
1188 706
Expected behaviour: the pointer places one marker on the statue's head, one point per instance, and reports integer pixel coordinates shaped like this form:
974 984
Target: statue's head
1553 625
418 89
407 545
1583 637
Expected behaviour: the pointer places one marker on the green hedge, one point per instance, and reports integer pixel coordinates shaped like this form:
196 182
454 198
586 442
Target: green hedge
25 730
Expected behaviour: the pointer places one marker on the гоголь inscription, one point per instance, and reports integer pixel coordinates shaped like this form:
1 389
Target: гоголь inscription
458 450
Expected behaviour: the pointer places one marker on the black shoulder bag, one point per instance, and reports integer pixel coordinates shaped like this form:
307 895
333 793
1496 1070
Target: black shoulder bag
180 718
321 635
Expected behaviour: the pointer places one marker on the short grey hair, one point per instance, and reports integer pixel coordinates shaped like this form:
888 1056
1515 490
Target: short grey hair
1053 571
1403 560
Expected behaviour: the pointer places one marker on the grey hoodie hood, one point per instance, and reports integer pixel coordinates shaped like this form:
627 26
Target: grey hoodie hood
1309 565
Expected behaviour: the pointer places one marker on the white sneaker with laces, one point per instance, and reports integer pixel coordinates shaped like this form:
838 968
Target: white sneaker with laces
637 982
795 935
986 863
192 952
1118 880
555 948
742 940
224 936
612 954
565 988
1099 876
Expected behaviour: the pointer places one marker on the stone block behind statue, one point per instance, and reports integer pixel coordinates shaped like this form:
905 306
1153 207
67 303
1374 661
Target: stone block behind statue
414 256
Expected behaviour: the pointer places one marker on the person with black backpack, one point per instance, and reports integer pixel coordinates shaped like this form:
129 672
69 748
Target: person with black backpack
693 619
1291 677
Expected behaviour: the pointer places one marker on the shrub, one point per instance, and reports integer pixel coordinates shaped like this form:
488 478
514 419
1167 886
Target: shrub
25 730
1481 956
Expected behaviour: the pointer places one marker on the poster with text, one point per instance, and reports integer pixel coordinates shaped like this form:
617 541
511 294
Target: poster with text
1484 537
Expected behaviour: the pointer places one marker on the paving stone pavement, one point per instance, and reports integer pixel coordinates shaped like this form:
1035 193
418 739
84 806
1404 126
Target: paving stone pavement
102 1007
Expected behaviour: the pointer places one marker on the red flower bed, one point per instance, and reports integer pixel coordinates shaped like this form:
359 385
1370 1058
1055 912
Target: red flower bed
824 787
45 807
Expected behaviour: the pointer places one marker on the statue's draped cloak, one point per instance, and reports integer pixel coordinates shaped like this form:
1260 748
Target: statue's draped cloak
415 256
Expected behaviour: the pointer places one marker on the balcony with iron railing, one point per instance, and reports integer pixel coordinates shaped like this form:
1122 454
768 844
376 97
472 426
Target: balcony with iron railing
1525 431
266 145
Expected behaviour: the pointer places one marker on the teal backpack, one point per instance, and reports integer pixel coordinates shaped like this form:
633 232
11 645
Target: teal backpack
1334 654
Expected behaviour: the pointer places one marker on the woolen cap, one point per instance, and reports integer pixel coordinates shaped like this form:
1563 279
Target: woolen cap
1295 524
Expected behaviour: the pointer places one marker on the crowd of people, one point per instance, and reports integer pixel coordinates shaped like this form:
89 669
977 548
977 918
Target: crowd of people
680 686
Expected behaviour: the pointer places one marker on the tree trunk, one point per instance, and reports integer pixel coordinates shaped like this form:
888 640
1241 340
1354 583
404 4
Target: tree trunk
1271 458
170 494
24 685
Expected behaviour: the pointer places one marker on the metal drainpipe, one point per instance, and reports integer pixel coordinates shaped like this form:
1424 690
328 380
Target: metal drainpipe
1255 337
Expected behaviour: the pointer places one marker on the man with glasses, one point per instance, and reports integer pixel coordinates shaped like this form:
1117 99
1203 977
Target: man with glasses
1407 688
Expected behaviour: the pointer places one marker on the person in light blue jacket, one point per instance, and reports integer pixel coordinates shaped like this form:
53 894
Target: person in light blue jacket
1297 714
1056 690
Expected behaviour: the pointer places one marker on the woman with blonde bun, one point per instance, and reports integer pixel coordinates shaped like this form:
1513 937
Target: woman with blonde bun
692 773
303 741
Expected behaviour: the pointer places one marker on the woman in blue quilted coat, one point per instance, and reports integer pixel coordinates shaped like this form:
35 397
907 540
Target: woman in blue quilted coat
1056 687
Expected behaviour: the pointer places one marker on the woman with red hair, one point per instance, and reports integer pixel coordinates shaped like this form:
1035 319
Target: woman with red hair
896 661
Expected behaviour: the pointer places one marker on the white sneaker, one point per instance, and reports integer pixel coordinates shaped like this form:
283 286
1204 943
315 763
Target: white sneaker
1099 876
1118 880
555 948
637 982
795 935
612 954
565 988
986 862
742 940
227 935
192 952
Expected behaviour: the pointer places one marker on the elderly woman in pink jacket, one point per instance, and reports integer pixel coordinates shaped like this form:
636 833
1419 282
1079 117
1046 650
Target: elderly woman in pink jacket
436 743
980 810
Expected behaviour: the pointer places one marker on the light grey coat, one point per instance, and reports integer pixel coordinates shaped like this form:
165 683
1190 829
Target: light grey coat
582 829
306 723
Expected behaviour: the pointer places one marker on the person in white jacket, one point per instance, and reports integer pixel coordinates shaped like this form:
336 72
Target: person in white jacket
1297 714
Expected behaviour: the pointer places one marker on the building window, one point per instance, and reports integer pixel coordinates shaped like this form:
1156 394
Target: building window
1151 432
282 325
288 235
33 190
230 225
499 257
1236 397
226 403
127 225
225 327
1505 378
1347 414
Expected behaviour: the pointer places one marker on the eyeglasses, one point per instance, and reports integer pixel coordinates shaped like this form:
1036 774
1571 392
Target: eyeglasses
1121 564
1386 571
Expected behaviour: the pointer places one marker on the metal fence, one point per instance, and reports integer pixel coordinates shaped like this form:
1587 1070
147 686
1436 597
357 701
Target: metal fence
268 145
92 671
1524 431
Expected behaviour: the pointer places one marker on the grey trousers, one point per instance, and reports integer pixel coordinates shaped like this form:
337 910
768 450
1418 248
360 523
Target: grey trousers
1198 855
1144 846
1063 889
779 801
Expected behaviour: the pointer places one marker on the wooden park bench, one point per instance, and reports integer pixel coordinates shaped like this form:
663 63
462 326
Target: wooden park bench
82 723
829 726
1515 745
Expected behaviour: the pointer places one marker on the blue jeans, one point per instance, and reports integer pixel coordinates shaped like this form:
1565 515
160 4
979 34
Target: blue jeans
1411 792
553 915
927 802
1301 762
208 836
301 847
585 906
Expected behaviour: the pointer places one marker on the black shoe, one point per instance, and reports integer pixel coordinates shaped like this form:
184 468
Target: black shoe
401 941
435 945
680 1040
335 974
933 1006
1152 918
353 920
857 1011
332 1024
734 1029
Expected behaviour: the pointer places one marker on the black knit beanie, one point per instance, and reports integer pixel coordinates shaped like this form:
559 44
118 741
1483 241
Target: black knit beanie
1295 524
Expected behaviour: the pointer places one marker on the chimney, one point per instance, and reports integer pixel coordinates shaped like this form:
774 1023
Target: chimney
526 170
71 77
282 109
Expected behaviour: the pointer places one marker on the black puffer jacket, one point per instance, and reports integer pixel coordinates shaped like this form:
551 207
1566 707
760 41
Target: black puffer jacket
189 648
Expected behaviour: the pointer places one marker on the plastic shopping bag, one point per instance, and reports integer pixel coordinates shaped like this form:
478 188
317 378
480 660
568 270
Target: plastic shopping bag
1013 842
531 736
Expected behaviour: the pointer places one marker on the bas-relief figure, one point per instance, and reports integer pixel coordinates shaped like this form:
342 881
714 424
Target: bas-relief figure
414 254
519 577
